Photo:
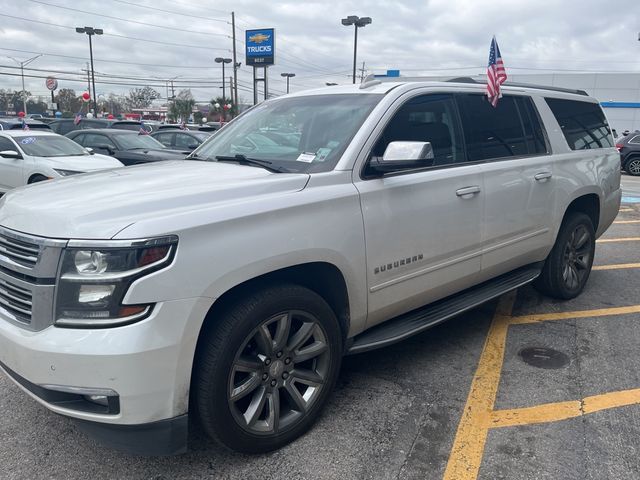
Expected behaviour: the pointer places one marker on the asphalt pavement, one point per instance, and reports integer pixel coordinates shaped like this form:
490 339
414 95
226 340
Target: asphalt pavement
521 388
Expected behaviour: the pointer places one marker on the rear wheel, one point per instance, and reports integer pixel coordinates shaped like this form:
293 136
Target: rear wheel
568 266
267 368
633 166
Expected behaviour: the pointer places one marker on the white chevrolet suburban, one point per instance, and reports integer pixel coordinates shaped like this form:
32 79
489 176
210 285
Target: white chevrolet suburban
225 289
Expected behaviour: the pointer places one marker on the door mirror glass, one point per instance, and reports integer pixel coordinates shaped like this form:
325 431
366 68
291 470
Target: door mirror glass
10 154
404 151
90 150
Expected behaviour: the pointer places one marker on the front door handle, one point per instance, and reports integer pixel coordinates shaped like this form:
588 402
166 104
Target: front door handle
542 176
468 192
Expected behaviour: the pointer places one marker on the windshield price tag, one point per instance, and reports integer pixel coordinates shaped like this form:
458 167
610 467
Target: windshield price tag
28 140
322 154
306 157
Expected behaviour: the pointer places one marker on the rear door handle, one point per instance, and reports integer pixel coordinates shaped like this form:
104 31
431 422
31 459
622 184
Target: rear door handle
468 192
540 177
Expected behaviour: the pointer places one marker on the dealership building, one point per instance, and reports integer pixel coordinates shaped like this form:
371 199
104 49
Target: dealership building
618 93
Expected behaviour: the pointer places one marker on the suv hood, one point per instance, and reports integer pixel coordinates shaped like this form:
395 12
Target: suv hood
84 163
99 205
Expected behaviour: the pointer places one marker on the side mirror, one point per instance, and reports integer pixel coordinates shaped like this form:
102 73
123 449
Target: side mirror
404 156
90 150
192 146
107 148
10 154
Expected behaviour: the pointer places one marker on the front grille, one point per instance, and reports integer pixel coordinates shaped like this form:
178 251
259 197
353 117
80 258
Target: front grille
28 271
16 300
19 251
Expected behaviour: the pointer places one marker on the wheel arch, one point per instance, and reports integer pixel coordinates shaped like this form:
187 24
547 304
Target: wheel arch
323 278
588 204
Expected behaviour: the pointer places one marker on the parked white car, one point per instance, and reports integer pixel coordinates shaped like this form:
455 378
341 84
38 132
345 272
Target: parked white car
28 156
226 287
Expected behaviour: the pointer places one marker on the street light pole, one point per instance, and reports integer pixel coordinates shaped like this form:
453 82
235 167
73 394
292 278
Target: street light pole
90 31
288 76
223 61
357 22
22 64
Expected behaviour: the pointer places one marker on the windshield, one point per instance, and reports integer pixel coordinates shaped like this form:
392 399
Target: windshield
49 146
299 134
133 141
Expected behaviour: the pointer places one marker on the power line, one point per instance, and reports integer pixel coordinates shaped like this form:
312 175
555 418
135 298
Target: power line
128 20
185 67
114 34
173 12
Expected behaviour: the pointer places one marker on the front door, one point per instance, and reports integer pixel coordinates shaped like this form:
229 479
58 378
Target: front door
422 227
11 169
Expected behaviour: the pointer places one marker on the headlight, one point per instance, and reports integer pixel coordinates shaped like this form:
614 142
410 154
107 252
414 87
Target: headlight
95 277
66 173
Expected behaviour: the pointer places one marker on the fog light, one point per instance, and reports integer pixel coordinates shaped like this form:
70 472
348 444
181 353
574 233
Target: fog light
99 399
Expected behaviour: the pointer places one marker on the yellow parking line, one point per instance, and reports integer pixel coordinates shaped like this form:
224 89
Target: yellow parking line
611 240
554 412
601 312
625 222
468 446
616 266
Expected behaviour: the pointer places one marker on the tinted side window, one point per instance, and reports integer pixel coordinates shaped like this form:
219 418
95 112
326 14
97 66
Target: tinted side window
79 139
428 118
635 140
63 127
94 139
164 138
583 123
491 132
6 144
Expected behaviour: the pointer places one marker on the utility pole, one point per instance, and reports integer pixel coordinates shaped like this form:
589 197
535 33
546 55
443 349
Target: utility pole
234 96
22 64
88 79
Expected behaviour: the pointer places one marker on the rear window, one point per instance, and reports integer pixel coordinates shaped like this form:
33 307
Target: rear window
126 126
583 123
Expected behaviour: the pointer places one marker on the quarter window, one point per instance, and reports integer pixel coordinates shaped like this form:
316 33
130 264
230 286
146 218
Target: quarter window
6 144
583 123
492 132
635 140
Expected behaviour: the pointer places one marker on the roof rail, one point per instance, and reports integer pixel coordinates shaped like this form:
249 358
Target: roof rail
516 84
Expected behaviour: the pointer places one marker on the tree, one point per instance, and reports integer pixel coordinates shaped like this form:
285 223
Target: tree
36 106
68 101
12 97
141 97
182 106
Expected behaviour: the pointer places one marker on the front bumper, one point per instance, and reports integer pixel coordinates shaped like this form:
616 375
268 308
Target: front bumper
147 364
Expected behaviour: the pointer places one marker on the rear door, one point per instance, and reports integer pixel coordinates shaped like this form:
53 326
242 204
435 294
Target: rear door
518 179
422 227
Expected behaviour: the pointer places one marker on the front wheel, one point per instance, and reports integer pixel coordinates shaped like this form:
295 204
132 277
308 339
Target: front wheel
266 368
568 266
633 166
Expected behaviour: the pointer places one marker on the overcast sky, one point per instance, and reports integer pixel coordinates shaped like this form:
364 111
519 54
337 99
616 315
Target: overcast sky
429 37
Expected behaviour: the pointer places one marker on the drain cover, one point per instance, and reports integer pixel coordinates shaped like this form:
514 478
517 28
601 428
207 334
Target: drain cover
542 357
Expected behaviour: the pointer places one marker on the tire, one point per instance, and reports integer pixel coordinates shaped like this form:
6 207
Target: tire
567 268
632 167
37 178
258 385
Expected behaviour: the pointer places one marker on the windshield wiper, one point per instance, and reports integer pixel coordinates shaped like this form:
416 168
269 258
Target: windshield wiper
243 159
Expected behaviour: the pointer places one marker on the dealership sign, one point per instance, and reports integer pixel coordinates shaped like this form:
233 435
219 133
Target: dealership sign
260 47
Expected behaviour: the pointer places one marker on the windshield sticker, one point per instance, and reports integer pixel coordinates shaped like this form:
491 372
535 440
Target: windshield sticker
333 144
322 154
28 140
306 157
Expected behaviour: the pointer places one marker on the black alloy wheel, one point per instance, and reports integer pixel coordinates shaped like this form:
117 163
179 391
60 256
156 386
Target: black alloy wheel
265 367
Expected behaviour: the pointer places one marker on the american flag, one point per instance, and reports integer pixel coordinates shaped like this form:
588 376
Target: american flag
77 118
183 126
142 131
24 125
496 74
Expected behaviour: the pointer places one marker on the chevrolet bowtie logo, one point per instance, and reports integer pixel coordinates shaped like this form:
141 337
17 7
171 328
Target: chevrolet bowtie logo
259 38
